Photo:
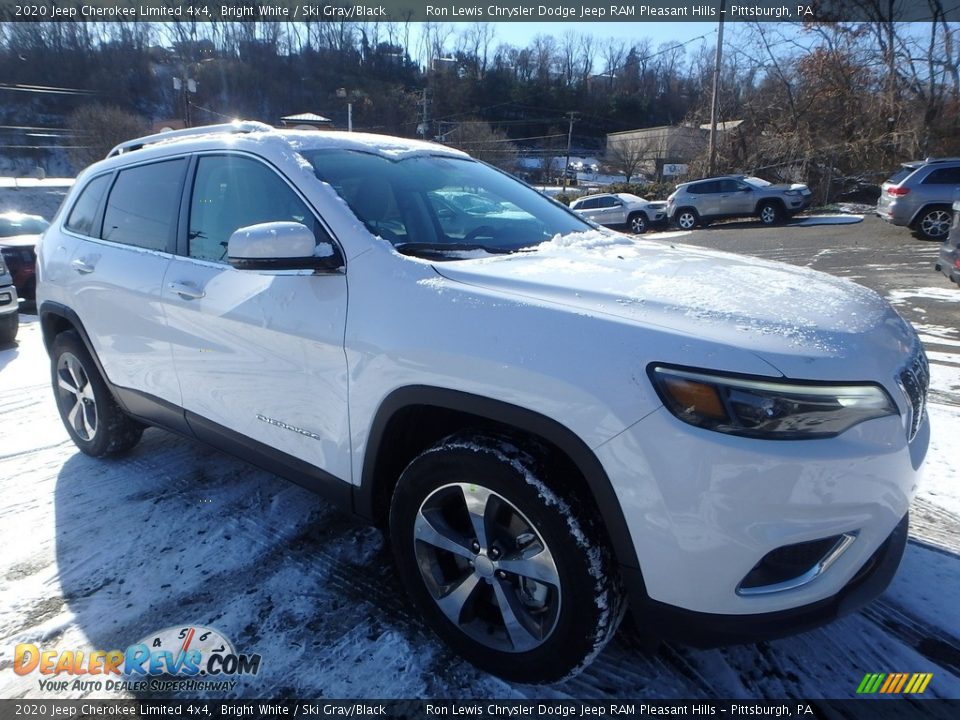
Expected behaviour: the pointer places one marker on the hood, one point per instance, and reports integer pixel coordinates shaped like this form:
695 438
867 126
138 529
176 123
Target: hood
789 316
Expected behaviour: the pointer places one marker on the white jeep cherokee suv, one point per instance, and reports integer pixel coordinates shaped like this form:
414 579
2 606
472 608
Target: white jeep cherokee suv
549 419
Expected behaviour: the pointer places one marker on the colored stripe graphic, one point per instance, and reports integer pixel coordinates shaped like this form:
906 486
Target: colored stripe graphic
894 683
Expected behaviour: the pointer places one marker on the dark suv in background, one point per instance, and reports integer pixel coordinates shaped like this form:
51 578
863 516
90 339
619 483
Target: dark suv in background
949 261
919 195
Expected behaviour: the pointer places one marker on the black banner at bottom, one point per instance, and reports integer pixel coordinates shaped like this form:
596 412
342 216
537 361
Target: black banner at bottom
873 709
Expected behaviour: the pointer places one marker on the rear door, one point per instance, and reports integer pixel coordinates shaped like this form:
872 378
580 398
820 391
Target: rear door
123 227
259 354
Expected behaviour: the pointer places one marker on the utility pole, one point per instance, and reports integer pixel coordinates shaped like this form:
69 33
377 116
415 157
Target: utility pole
572 116
424 126
711 171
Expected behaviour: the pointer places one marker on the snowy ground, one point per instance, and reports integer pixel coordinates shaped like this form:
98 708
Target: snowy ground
98 554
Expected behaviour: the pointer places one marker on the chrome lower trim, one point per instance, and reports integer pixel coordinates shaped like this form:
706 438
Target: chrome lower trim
842 545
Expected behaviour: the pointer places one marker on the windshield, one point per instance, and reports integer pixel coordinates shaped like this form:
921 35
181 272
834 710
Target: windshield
431 203
11 225
756 182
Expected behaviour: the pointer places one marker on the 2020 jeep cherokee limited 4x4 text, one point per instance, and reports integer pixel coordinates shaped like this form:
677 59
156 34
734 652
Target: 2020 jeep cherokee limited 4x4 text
549 419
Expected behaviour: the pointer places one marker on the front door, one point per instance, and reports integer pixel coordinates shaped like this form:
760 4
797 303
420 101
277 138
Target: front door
259 353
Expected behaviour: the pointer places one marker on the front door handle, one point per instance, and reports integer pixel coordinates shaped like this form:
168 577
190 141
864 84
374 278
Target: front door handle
187 291
82 266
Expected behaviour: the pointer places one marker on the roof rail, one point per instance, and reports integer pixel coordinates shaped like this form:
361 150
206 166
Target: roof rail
238 126
942 159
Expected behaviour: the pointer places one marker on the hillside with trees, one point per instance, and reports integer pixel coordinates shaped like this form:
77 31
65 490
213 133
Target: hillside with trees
829 99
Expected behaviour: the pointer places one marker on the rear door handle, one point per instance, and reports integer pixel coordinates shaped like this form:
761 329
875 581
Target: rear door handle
187 291
82 266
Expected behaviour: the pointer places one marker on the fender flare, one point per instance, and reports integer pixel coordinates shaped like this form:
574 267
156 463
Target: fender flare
505 413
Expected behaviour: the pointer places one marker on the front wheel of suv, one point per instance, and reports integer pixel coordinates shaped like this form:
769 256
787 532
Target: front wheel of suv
637 223
9 325
686 219
770 213
511 574
934 222
94 421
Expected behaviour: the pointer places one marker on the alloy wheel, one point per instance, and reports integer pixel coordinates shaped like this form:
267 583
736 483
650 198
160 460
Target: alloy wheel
76 396
487 567
936 224
686 220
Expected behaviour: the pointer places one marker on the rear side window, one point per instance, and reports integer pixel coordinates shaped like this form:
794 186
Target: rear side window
84 212
608 201
702 188
900 175
943 176
588 204
143 205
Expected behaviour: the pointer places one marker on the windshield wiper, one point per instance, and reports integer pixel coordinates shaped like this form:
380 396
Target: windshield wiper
447 250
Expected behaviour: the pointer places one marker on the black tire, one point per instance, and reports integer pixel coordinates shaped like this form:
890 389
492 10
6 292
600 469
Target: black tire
934 222
94 421
560 623
770 212
686 218
9 326
637 223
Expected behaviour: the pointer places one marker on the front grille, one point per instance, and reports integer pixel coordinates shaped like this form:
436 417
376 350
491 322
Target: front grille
914 380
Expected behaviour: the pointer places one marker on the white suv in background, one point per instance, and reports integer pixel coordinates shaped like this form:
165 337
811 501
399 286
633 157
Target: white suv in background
548 419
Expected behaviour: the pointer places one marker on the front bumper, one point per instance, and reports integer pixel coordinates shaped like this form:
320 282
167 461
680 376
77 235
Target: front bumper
712 630
9 302
705 509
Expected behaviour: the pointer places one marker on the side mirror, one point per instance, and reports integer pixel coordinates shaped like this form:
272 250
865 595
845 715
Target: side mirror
746 188
280 246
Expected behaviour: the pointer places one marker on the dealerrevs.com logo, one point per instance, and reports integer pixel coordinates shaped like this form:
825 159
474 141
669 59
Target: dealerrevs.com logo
176 658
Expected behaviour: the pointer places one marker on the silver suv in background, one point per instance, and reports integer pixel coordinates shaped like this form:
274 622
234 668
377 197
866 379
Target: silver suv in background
621 209
949 261
735 196
9 307
919 194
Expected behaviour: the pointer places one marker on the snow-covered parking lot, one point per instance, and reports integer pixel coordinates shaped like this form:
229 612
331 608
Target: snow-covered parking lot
99 554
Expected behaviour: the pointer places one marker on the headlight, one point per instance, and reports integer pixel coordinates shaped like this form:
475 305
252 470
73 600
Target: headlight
768 409
791 192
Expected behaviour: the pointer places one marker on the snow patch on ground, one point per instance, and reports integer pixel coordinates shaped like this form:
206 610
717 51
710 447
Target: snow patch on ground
827 220
939 294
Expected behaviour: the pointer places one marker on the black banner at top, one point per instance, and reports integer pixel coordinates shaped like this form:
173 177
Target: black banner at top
736 11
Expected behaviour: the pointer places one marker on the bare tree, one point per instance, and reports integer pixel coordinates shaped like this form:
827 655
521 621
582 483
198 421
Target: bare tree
629 155
484 143
98 128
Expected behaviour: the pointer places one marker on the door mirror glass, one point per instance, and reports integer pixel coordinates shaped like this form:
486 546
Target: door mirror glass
279 246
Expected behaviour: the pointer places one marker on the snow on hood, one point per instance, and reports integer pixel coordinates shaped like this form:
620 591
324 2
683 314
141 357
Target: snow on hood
786 314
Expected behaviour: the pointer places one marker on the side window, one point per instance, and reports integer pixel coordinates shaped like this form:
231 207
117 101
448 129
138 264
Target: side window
608 201
143 205
703 188
726 186
943 176
231 192
589 204
84 212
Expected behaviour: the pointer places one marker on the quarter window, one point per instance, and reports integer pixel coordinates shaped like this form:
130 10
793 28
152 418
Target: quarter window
943 176
143 205
232 192
84 212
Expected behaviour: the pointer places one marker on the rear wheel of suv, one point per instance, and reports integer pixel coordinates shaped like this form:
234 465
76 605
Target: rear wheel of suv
94 421
686 218
637 223
509 573
934 222
770 213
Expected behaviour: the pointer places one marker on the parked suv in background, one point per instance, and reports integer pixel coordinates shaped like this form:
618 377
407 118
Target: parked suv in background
19 234
621 210
548 418
919 196
949 261
9 307
735 196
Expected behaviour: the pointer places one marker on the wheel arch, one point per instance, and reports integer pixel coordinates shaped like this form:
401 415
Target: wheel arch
412 418
56 318
915 220
770 201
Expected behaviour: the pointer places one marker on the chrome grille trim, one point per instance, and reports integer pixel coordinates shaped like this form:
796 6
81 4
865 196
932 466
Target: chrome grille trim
914 381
